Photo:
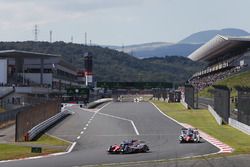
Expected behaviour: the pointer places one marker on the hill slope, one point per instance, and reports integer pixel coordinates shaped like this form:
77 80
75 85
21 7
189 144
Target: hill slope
111 65
182 48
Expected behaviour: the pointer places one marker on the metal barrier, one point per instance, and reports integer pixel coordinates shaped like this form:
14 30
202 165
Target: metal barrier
215 115
184 104
240 126
45 124
98 102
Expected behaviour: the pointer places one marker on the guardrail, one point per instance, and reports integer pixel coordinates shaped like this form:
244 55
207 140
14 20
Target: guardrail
215 115
184 104
45 124
240 126
98 102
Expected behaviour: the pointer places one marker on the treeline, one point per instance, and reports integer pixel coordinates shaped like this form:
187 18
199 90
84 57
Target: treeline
113 66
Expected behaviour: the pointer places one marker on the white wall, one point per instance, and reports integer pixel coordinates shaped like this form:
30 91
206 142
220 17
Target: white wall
3 71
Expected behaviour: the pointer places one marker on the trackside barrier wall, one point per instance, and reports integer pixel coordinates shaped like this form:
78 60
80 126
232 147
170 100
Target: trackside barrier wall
215 115
45 124
240 126
33 116
222 102
184 104
189 95
98 102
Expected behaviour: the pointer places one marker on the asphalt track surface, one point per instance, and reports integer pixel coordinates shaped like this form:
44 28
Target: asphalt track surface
95 132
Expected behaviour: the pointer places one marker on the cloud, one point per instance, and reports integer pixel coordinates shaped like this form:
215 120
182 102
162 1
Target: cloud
25 13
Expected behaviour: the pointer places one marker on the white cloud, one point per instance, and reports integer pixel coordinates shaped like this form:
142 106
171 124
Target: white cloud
26 13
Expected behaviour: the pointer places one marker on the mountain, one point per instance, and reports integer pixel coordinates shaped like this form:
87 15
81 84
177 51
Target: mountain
171 50
112 65
205 36
141 50
182 48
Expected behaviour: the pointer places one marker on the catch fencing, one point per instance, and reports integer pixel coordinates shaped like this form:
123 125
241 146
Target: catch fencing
10 115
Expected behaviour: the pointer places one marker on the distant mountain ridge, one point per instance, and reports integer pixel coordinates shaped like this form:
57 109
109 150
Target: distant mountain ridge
183 48
204 36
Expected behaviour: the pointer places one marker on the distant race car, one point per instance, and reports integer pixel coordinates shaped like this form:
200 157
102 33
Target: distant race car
189 135
128 147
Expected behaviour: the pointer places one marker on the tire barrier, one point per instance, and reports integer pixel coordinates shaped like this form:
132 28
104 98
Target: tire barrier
45 124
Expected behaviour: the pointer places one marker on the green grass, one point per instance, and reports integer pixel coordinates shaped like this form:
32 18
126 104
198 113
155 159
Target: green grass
23 149
204 121
49 140
242 79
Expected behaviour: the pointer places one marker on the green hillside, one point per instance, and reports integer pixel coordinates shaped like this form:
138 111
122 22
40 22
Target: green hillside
241 79
112 65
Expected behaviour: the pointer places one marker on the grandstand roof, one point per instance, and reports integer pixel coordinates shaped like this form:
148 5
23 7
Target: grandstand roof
219 46
24 54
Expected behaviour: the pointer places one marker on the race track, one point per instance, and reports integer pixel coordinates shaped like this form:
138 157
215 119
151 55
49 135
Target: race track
94 132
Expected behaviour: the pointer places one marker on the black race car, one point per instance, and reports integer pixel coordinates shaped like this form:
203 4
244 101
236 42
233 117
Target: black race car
129 146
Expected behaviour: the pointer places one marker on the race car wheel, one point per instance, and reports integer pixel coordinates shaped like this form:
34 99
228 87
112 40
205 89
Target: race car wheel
145 148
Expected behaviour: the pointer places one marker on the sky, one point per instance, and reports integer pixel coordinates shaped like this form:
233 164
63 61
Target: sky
118 22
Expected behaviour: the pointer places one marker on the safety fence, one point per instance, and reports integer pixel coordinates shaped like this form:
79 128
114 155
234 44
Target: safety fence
10 115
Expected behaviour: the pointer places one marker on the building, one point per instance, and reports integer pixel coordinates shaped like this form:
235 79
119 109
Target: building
22 68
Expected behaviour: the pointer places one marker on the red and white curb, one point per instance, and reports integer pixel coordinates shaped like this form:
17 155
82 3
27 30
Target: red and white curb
224 148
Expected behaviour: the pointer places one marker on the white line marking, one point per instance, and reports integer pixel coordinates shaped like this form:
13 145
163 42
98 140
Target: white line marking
133 124
72 147
58 138
81 132
78 137
136 131
108 115
87 125
166 114
84 128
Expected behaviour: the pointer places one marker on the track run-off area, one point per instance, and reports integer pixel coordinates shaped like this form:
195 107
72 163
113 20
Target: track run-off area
92 131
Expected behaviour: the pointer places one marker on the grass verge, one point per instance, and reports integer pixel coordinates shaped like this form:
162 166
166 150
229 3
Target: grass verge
23 149
204 121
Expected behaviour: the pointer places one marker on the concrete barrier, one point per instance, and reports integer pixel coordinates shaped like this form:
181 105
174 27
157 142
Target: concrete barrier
184 104
99 102
215 115
240 126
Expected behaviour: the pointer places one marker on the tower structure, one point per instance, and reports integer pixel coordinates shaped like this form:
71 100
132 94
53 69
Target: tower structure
88 68
36 31
50 36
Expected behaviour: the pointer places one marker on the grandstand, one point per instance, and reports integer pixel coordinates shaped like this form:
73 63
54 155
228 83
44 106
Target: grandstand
224 56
